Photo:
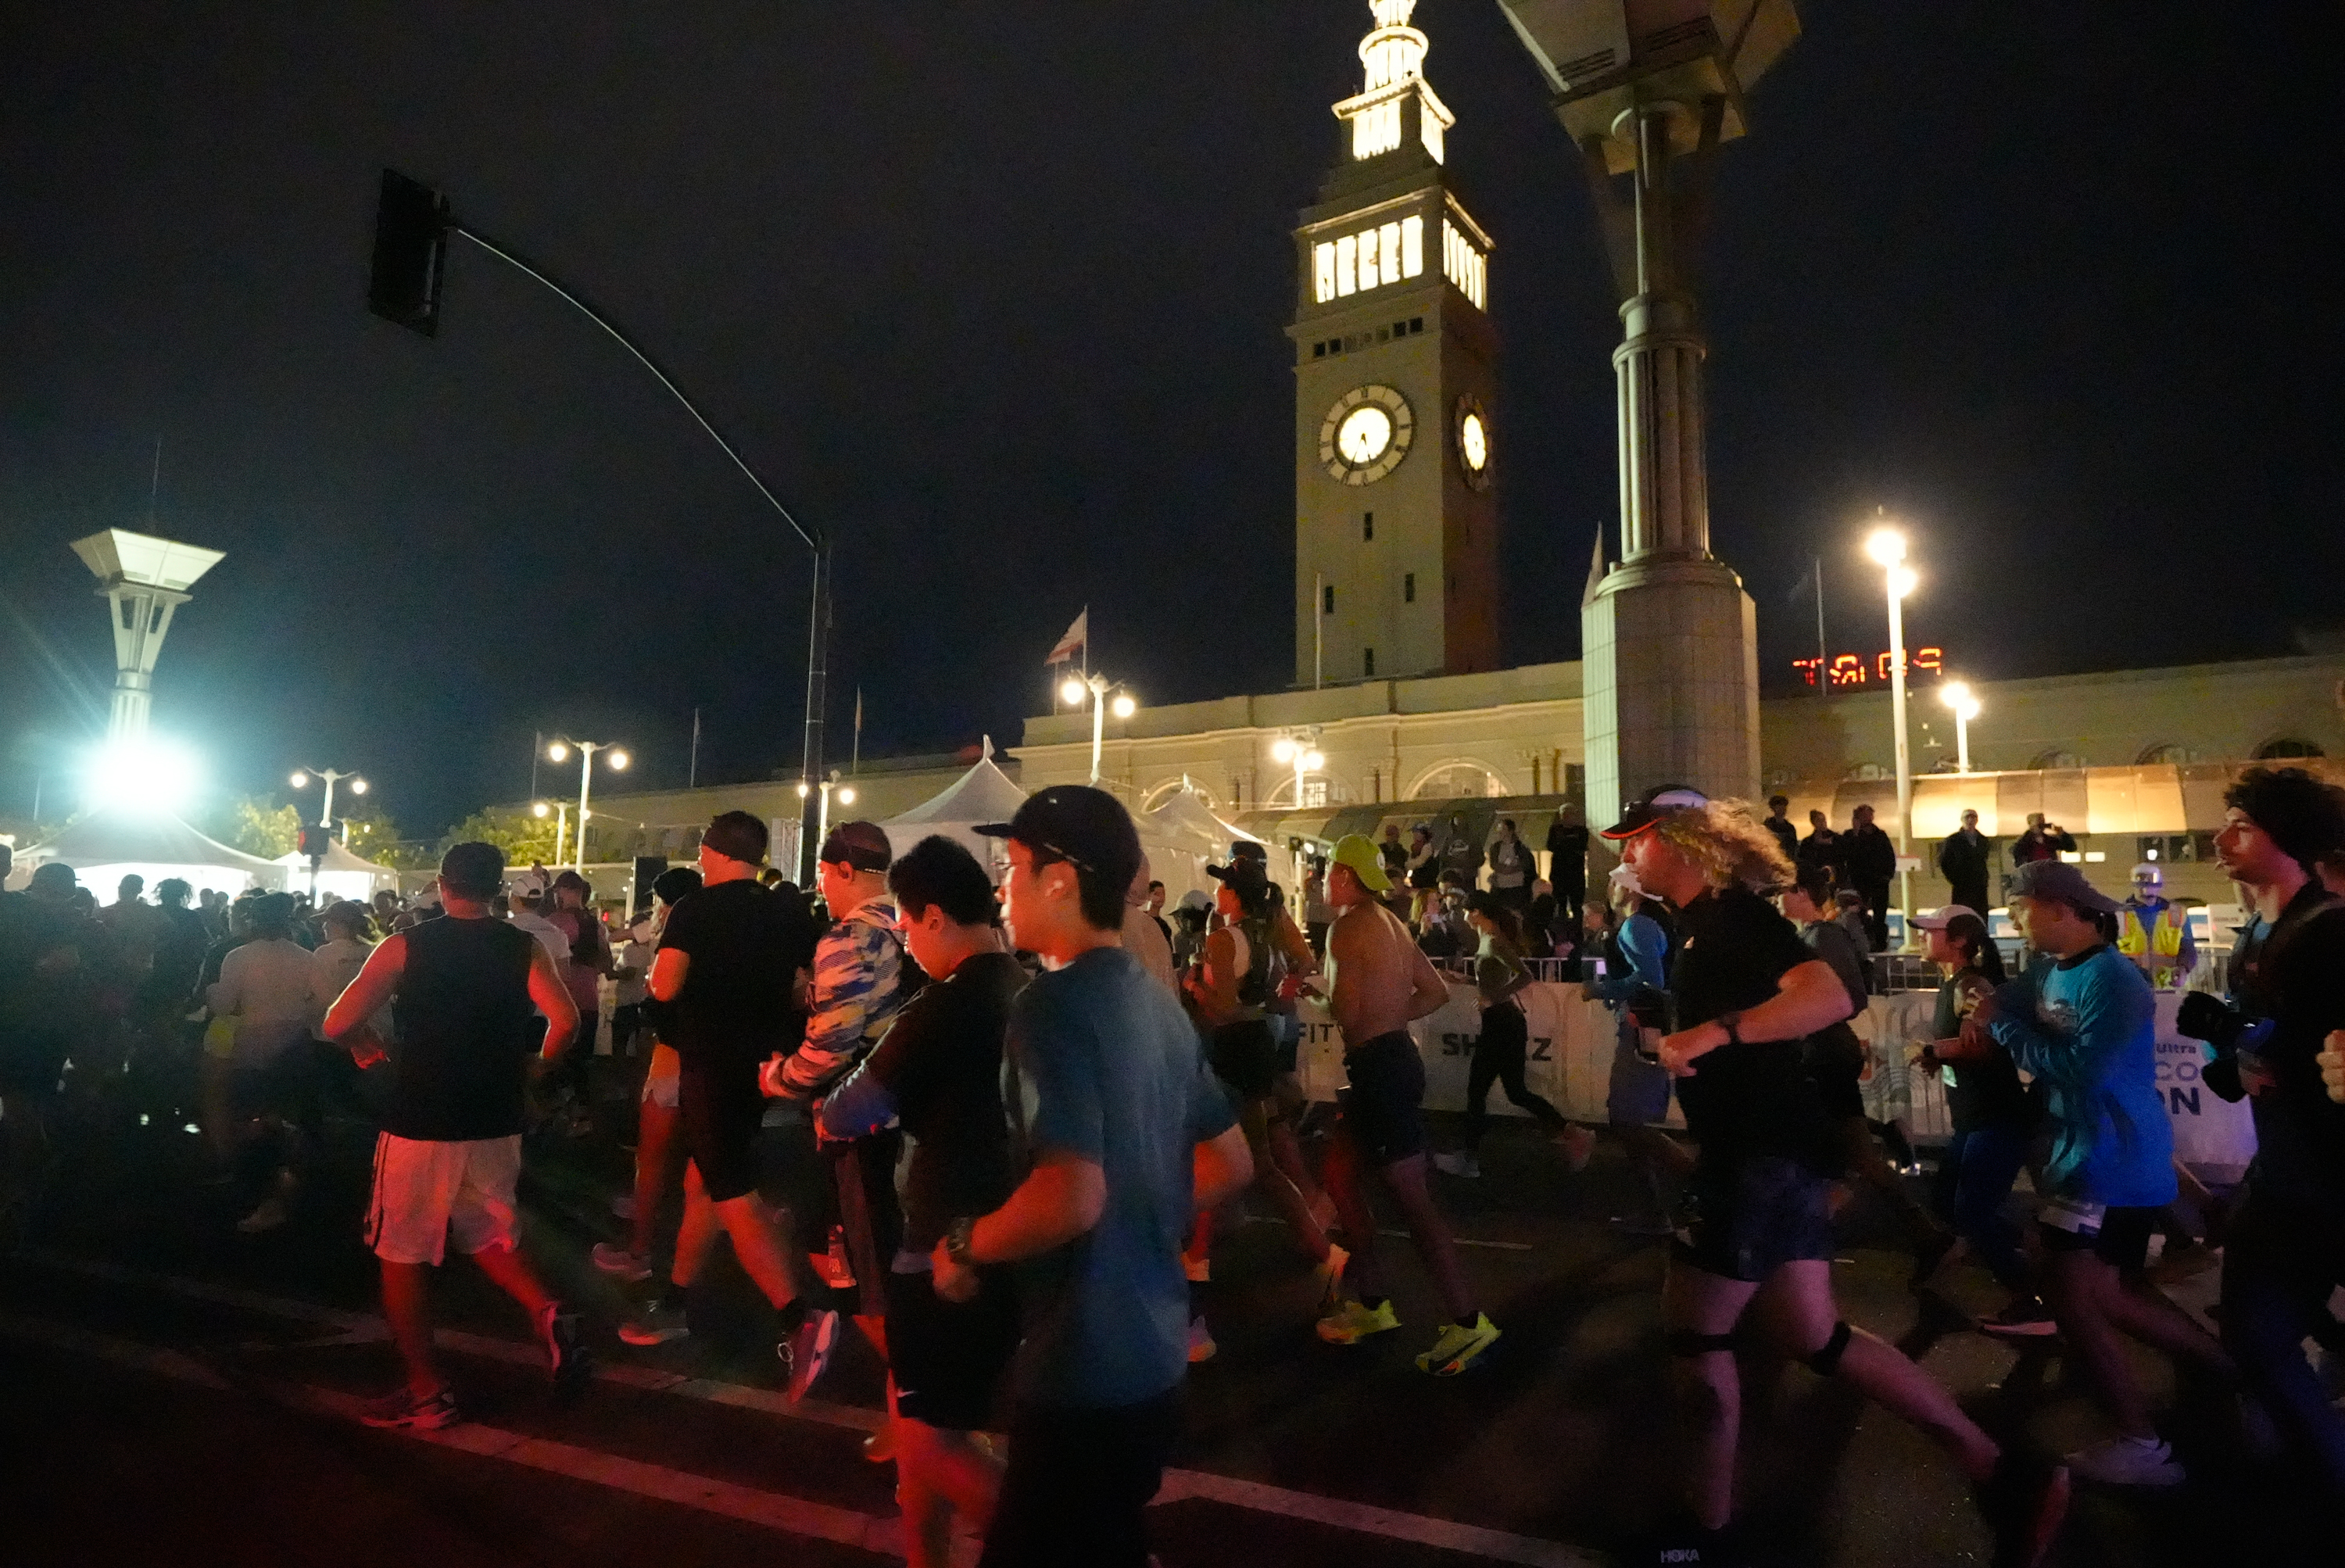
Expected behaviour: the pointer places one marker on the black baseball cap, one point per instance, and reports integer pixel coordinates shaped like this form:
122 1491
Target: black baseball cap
1246 877
1088 827
1249 850
862 845
1664 801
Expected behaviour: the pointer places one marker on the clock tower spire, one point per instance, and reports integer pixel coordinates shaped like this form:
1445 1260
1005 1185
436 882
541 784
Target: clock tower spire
1395 519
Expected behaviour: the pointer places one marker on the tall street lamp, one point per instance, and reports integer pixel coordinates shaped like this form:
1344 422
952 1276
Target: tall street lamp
1886 547
329 777
1956 695
1076 687
559 751
560 811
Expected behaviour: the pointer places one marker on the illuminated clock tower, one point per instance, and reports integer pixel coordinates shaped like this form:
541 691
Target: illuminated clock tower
1395 519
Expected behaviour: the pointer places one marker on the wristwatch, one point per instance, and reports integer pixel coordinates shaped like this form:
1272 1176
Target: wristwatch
1732 1024
957 1237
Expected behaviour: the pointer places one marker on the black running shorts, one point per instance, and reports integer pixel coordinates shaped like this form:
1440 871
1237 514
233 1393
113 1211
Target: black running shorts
719 1108
1246 1057
1751 1217
948 1356
1384 1109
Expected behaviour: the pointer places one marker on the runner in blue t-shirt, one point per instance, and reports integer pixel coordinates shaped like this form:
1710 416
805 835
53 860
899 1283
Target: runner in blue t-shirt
1123 1137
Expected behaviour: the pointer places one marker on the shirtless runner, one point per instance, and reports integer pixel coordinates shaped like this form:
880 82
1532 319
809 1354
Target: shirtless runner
1381 981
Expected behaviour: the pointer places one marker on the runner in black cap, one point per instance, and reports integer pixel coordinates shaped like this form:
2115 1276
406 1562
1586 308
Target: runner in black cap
1746 992
1121 1135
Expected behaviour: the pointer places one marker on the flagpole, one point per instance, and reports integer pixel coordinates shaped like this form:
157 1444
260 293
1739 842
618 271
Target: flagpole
1819 563
855 759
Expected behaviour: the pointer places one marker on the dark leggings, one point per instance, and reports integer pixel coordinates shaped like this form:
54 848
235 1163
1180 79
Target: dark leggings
1498 1058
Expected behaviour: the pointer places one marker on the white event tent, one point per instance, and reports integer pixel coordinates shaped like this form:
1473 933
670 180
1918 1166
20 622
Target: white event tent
116 841
341 875
983 794
1183 837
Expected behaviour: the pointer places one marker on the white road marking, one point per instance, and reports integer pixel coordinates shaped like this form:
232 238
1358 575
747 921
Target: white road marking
1496 1545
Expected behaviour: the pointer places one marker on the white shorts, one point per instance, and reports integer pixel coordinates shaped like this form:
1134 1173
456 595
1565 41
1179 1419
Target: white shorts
424 1190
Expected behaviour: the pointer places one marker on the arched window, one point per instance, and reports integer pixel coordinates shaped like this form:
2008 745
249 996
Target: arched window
2166 755
1459 779
2057 759
1172 787
2287 746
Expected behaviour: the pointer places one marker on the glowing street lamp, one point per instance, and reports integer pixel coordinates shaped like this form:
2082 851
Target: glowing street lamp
1956 695
329 777
1302 750
1885 546
1075 687
616 759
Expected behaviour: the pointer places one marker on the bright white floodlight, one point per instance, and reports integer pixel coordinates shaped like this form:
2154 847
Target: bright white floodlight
1123 706
1885 546
1072 692
618 759
141 775
847 795
1283 749
358 786
557 752
540 810
1903 581
1313 761
299 781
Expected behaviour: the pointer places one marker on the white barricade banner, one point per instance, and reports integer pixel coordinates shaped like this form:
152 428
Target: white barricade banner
1569 1061
1570 1065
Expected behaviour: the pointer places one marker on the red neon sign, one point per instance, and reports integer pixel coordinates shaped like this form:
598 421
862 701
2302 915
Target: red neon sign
1849 669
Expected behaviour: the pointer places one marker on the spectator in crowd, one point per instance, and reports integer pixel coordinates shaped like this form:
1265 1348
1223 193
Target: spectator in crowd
1423 873
1567 866
1513 867
1778 824
2043 841
1872 857
1964 857
2154 930
1461 854
1823 848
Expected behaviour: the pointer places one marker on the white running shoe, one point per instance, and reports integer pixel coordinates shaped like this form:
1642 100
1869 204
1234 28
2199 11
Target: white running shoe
1458 1164
2127 1461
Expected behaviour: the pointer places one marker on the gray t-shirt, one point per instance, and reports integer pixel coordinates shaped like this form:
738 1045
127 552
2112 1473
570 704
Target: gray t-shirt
1102 1064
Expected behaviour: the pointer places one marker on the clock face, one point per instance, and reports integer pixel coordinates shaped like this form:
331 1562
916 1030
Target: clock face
1367 435
1363 436
1472 428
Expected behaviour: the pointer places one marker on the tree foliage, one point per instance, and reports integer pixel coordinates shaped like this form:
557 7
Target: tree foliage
523 839
258 826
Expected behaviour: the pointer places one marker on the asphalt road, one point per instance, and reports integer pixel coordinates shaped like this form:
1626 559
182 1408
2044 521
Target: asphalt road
179 1392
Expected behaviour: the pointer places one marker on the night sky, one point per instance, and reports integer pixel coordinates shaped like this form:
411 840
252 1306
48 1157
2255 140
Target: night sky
995 292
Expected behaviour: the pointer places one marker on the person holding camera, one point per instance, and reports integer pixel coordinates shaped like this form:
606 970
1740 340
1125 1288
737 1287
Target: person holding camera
2285 1251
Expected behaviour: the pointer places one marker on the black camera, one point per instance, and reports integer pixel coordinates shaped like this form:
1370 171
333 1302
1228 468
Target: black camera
2206 1016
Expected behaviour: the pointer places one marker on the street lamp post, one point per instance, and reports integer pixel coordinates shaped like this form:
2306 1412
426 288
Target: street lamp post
1300 748
1886 546
560 811
1096 687
1957 695
329 777
618 761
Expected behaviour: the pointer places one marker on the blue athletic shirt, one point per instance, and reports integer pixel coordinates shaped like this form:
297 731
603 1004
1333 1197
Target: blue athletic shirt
1102 1064
2087 1028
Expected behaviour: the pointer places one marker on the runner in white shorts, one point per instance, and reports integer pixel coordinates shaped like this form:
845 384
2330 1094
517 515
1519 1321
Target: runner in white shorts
465 991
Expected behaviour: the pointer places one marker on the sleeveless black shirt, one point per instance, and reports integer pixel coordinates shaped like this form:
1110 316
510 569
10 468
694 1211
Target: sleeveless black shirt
466 1028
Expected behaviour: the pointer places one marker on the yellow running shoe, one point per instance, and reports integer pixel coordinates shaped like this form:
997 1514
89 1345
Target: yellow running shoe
1353 1322
1458 1347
